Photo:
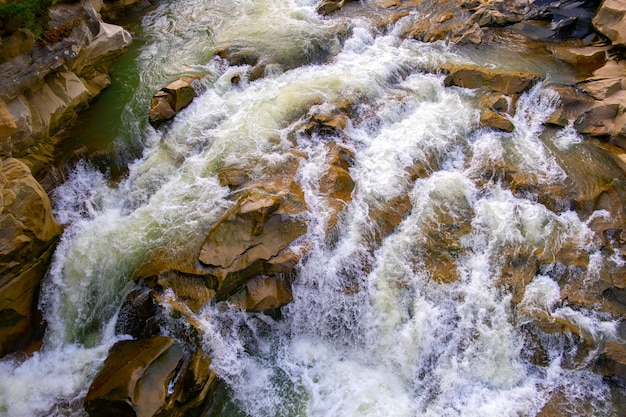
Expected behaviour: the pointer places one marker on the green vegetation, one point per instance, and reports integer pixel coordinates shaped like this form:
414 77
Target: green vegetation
29 14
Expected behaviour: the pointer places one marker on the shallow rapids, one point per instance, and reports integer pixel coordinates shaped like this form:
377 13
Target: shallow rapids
372 330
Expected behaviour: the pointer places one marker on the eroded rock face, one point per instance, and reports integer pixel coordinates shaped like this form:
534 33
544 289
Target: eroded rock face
28 232
254 238
46 86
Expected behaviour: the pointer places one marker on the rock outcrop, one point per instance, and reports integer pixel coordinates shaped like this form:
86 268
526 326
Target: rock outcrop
149 377
43 86
28 233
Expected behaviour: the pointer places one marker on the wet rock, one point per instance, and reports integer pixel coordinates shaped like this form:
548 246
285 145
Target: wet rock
496 110
336 185
167 102
148 377
263 294
327 7
584 59
254 237
505 82
496 120
388 215
28 233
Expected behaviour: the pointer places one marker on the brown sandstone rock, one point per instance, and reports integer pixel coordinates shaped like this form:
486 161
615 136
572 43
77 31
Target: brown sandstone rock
610 21
149 377
497 120
337 184
254 237
584 59
27 234
329 6
171 99
263 294
604 118
505 82
605 81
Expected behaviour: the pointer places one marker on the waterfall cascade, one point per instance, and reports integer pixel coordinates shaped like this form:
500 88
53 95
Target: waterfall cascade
451 281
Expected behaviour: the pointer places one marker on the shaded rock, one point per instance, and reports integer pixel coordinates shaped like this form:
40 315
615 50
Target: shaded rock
20 42
137 378
114 9
534 30
138 316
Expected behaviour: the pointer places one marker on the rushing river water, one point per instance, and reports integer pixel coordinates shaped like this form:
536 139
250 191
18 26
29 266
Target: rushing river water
402 344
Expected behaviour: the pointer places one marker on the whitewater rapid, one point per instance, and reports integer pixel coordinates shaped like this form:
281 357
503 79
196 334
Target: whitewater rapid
369 332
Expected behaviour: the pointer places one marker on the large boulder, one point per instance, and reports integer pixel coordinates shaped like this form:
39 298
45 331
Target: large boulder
262 294
28 232
150 377
610 21
254 237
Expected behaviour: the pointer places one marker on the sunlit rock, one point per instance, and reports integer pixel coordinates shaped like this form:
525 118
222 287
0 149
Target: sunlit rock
605 81
604 118
167 102
584 59
254 236
610 21
148 377
27 234
505 82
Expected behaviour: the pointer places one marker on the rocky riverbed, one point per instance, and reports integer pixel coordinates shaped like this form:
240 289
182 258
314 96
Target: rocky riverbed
251 255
